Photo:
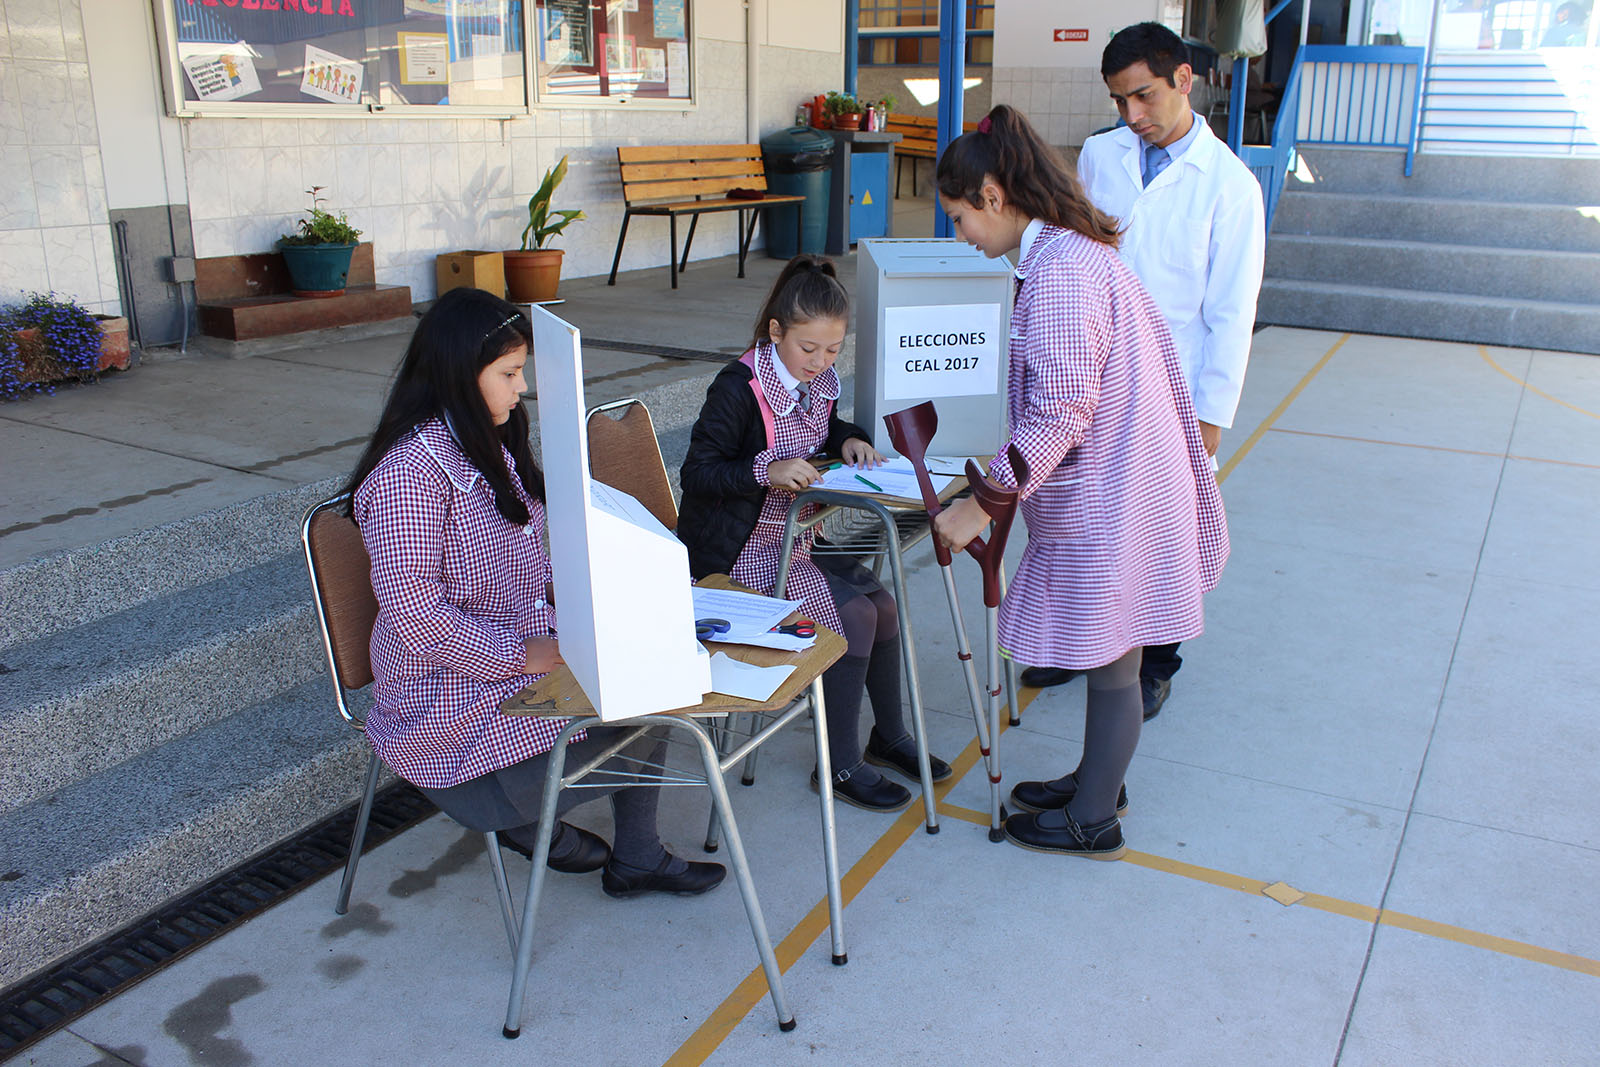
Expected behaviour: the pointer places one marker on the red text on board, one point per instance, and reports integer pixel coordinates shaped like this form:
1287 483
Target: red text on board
1072 35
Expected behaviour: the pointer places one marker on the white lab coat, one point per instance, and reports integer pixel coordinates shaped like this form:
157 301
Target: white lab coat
1196 238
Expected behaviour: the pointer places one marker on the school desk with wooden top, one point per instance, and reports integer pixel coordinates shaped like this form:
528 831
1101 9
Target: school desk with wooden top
892 525
558 695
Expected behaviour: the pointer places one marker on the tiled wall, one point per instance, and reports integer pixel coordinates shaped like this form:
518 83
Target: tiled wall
1065 104
54 233
418 187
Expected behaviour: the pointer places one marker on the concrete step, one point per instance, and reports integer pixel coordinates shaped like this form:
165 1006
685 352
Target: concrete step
68 589
1505 224
1561 277
84 700
1440 316
99 854
1477 177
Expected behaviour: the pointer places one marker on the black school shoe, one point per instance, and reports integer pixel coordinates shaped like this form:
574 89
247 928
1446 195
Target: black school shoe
902 756
1053 796
879 794
1155 692
621 880
1045 677
573 850
1097 841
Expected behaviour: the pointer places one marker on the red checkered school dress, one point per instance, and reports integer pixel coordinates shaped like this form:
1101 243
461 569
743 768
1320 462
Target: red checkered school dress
1125 523
796 434
459 588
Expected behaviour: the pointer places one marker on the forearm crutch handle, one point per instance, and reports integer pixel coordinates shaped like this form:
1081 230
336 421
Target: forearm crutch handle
1000 502
911 429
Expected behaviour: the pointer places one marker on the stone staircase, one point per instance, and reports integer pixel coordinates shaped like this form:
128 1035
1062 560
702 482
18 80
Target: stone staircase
1485 249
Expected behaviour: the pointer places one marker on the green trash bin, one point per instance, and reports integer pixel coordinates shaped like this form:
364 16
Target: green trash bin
798 161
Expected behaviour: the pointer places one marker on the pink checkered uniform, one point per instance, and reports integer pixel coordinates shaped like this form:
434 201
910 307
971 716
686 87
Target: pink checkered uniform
459 588
794 434
1125 522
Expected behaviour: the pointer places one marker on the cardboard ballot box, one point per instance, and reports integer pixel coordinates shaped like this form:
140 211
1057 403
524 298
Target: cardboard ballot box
932 324
624 610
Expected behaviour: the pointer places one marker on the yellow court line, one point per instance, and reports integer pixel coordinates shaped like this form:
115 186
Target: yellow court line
726 1016
1348 908
1283 405
1436 448
1484 352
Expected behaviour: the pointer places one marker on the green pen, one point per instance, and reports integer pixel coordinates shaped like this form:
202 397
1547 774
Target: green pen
870 485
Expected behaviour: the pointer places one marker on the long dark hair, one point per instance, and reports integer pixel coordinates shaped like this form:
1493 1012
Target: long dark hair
1037 181
807 289
464 331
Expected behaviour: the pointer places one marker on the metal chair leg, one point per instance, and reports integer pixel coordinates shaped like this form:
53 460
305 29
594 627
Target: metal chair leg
358 836
627 217
908 658
723 736
1011 668
688 243
672 264
830 842
502 887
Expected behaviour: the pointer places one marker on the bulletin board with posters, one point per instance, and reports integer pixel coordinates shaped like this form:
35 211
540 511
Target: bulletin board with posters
331 57
638 52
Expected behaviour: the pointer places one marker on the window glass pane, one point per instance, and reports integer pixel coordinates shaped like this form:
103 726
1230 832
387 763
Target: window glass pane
614 49
350 53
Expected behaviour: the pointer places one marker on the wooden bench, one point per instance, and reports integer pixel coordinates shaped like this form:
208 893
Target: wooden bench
673 180
919 139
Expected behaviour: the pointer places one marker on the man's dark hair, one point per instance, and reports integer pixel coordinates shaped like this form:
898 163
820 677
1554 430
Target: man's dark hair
1150 43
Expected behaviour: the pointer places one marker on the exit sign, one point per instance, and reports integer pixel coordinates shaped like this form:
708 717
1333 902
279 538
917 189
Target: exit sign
1072 35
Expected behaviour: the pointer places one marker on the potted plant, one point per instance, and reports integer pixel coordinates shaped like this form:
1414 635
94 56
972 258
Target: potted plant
845 109
48 339
533 272
317 254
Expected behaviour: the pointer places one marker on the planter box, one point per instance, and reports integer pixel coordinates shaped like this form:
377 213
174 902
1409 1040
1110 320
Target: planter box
473 270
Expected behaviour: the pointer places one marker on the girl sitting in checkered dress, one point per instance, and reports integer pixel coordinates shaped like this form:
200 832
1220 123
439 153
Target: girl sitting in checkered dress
1125 523
451 509
764 415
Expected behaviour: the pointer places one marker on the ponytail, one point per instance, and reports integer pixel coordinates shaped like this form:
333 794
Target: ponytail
1006 149
807 289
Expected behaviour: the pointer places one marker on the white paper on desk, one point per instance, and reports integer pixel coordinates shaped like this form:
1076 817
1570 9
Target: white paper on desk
892 479
955 466
747 614
745 680
780 641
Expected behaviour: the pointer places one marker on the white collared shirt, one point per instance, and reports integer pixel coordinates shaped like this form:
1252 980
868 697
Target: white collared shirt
1196 238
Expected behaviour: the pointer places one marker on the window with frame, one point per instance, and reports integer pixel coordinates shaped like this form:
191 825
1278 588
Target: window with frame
919 49
613 51
256 56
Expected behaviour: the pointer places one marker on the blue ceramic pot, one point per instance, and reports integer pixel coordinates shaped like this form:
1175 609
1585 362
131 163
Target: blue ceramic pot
317 270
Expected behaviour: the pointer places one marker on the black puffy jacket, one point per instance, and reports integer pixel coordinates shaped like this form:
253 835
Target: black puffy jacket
721 497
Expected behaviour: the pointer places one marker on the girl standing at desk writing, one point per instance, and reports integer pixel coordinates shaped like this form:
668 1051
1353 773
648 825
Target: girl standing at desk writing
451 508
764 414
1125 523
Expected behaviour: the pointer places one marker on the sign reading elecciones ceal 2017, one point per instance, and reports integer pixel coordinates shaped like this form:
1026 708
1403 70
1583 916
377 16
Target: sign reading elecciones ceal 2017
946 350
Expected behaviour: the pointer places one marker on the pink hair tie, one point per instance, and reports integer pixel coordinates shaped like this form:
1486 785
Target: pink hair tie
984 125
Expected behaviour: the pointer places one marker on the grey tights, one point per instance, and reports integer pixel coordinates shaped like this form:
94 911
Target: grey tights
1112 718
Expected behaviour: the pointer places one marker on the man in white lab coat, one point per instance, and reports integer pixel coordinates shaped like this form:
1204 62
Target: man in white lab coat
1193 232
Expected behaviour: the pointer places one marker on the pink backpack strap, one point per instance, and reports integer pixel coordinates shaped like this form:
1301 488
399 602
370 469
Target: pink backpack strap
767 418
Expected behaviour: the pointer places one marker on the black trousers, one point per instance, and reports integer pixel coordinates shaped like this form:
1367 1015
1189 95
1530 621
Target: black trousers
1160 662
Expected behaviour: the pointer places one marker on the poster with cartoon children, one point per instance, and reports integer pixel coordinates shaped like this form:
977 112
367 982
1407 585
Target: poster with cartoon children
331 77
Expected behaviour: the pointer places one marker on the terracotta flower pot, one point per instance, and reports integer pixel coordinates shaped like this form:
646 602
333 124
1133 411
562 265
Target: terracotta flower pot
115 351
848 120
533 276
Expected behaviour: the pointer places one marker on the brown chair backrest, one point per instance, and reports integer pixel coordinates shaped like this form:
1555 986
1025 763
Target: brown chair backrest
624 454
918 133
688 171
342 573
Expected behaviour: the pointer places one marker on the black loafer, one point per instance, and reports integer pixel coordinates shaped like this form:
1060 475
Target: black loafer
573 850
901 756
1053 796
1097 841
621 880
879 795
1045 677
1155 692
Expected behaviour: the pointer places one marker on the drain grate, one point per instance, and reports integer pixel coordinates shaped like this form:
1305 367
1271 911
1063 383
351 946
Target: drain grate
40 1005
663 350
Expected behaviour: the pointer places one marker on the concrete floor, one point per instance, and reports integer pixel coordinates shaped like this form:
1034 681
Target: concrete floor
1364 829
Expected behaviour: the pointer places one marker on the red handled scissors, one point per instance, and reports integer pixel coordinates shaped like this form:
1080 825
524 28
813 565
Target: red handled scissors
798 628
